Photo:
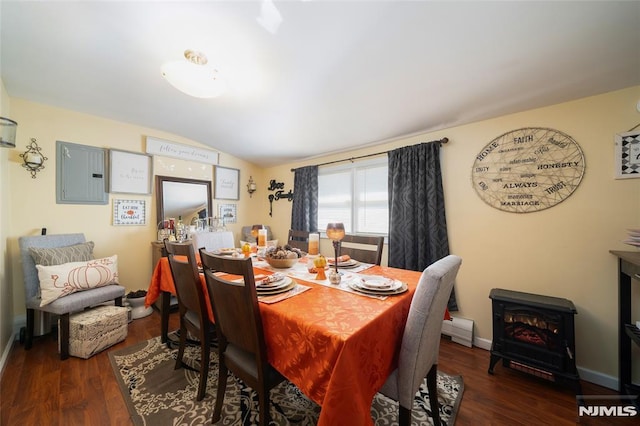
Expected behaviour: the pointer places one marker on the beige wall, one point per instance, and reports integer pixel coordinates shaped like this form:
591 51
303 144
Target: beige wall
6 289
32 202
562 251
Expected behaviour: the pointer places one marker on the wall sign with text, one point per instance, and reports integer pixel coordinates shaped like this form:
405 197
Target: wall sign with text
528 170
279 194
129 172
129 212
157 146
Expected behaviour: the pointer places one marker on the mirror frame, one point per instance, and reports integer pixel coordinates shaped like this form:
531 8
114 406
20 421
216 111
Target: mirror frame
160 198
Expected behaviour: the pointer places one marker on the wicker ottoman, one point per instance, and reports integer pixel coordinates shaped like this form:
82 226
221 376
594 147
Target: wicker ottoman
96 329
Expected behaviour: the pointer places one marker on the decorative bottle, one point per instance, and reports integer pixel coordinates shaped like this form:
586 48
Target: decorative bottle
180 230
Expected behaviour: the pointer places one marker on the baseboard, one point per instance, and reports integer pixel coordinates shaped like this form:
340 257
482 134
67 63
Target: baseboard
590 376
482 343
587 375
460 330
5 353
598 378
18 322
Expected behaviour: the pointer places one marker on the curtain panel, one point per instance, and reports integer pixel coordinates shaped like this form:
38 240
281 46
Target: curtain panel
304 212
417 222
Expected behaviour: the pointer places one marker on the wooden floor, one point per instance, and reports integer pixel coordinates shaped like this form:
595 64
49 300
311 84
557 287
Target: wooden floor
39 389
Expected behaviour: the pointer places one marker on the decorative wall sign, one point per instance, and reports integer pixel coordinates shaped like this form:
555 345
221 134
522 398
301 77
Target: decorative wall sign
227 213
129 212
628 155
278 195
166 148
129 172
528 170
226 184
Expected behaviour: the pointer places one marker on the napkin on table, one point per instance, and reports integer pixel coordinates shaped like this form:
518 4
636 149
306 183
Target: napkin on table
262 280
341 259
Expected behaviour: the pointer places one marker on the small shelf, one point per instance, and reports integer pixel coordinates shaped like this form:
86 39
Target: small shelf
633 332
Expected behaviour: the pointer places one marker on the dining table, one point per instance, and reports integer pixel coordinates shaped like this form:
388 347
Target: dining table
338 346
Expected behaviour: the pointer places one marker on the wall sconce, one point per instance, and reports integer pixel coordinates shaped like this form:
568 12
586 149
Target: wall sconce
33 158
251 186
8 132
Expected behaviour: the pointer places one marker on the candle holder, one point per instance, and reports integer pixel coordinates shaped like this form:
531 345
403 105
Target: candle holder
255 231
335 232
33 160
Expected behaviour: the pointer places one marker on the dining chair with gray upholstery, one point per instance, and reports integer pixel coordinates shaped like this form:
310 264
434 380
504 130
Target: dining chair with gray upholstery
421 339
298 239
363 248
241 343
59 248
192 307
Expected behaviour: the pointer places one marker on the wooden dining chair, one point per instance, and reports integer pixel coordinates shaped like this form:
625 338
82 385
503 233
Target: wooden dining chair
192 307
421 339
241 343
363 248
298 239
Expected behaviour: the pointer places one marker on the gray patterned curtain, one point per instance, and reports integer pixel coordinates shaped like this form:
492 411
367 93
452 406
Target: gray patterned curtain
304 212
417 223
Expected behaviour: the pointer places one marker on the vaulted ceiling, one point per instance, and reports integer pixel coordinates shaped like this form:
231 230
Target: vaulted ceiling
312 77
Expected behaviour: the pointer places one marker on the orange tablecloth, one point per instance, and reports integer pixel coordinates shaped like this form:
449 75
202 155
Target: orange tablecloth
336 346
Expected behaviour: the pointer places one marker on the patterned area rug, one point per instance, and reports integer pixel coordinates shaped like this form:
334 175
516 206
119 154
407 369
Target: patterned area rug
158 395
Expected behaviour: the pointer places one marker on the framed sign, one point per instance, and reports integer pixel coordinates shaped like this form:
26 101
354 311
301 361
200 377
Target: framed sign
129 172
528 170
226 183
129 212
228 213
628 155
166 148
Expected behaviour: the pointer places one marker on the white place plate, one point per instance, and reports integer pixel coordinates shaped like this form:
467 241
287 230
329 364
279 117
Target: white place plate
348 264
354 286
226 251
375 283
276 285
289 285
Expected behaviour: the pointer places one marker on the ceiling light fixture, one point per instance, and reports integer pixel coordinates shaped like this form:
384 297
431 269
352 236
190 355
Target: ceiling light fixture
193 76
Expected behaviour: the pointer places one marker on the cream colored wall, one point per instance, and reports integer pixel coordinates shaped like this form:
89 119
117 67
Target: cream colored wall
562 251
32 202
6 302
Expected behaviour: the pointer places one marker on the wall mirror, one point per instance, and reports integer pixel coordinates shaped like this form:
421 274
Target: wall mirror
189 198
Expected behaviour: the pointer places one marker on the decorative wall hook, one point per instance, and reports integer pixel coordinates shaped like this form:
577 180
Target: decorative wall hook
33 158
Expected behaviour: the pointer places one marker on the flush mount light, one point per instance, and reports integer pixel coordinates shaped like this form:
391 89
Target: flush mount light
193 76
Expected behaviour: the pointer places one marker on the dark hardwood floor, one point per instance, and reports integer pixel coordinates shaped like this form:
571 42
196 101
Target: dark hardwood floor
39 389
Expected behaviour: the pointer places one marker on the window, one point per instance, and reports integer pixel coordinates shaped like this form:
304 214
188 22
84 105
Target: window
356 195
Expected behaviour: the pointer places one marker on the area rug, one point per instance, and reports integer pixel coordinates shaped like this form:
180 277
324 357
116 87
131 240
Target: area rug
158 395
